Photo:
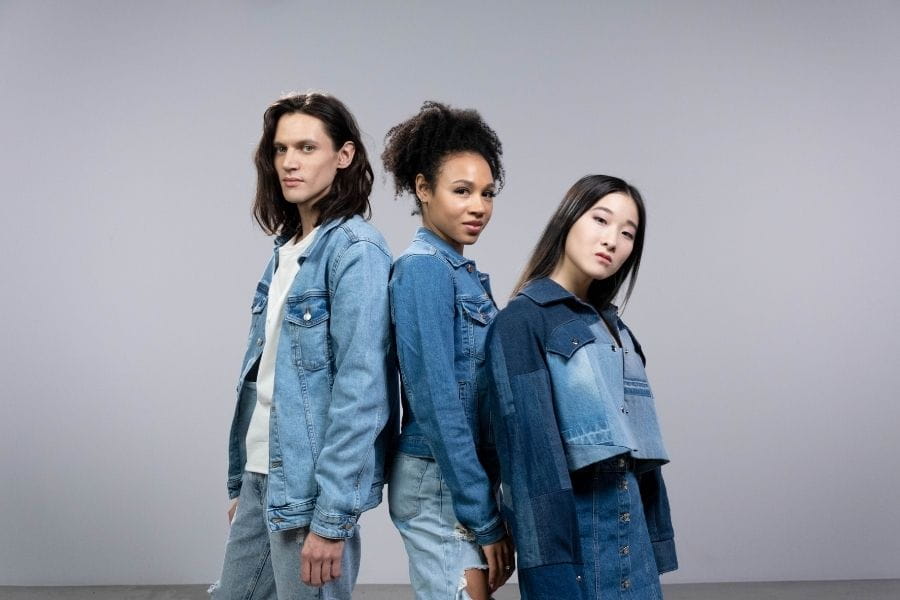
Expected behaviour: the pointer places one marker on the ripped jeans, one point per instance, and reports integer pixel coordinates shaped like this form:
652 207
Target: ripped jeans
264 565
440 550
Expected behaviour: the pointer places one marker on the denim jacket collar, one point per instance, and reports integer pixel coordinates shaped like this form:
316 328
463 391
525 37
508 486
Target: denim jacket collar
545 291
282 239
455 258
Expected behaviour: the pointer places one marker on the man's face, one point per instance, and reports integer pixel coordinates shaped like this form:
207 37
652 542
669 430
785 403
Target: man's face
306 160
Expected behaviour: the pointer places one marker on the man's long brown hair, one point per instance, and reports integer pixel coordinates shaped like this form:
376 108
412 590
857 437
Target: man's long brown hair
349 193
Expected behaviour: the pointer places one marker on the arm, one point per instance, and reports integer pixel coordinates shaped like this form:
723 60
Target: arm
659 520
540 506
423 302
358 409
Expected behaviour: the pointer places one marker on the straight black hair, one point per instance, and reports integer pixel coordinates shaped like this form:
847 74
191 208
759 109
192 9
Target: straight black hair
552 244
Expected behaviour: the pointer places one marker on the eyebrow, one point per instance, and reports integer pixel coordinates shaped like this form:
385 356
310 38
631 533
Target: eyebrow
627 222
470 183
297 143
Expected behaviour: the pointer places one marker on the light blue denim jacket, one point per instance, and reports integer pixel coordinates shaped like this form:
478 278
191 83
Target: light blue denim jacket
564 395
334 405
441 307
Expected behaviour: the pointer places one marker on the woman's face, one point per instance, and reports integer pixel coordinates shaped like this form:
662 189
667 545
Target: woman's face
601 240
458 205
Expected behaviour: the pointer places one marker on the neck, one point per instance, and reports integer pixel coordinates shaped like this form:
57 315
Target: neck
308 218
571 279
453 243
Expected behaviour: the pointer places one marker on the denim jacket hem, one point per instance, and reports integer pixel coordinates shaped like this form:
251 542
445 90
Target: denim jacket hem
554 581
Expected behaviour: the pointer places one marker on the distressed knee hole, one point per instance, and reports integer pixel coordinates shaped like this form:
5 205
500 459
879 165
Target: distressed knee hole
463 592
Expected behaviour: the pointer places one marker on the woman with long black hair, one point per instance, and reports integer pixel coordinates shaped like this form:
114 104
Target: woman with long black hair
576 428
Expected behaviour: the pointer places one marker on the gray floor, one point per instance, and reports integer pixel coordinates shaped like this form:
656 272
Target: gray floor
885 589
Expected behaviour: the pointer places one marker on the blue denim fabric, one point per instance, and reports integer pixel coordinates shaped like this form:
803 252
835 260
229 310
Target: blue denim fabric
441 308
615 542
334 409
565 395
265 565
440 550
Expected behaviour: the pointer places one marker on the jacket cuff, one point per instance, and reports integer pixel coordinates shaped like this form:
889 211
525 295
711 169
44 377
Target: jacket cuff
664 553
234 487
493 533
333 526
552 582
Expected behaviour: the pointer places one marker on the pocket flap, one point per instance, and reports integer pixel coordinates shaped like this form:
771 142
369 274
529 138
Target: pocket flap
306 311
481 311
569 337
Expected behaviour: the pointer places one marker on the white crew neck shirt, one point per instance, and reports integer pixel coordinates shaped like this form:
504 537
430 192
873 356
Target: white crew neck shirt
258 432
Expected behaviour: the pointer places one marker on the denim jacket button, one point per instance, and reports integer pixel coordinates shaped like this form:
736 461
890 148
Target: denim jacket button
470 267
624 550
307 316
578 578
259 341
625 517
348 526
574 341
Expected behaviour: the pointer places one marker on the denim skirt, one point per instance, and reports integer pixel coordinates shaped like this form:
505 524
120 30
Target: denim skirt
616 548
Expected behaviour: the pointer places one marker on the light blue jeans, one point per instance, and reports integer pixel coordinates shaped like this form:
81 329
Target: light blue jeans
264 565
440 550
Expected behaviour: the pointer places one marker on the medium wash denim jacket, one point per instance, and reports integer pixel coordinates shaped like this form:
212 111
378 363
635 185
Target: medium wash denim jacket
565 395
441 307
334 405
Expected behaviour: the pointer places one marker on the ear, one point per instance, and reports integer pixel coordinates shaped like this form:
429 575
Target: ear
346 154
423 189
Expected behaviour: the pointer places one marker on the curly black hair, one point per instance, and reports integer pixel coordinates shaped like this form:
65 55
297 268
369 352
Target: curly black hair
421 143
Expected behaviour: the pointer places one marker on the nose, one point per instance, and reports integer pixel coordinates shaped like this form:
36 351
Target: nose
291 160
608 240
477 206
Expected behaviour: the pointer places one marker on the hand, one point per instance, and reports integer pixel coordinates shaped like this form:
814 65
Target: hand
320 560
232 509
501 561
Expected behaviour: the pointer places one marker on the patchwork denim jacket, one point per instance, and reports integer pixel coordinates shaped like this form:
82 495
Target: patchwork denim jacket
334 407
441 307
566 395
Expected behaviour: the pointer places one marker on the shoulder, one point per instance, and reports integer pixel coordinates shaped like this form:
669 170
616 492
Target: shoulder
516 337
358 231
420 248
421 267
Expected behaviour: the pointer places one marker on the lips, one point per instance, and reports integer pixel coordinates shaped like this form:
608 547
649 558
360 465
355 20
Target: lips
291 181
473 226
606 258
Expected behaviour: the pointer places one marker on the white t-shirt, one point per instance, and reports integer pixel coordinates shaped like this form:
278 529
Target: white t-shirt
258 432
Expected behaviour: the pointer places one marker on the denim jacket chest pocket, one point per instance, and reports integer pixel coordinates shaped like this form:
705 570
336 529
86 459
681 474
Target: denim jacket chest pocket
307 320
477 313
578 388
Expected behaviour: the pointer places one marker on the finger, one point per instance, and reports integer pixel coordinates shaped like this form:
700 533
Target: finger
305 570
492 568
315 573
325 571
336 567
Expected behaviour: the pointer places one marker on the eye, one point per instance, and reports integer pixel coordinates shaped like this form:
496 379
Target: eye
461 191
600 220
279 149
490 194
308 147
628 235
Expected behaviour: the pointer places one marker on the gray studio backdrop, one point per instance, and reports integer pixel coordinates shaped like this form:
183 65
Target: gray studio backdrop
764 136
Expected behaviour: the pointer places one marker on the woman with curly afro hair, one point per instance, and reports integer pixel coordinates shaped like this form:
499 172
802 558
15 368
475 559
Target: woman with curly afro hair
443 487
